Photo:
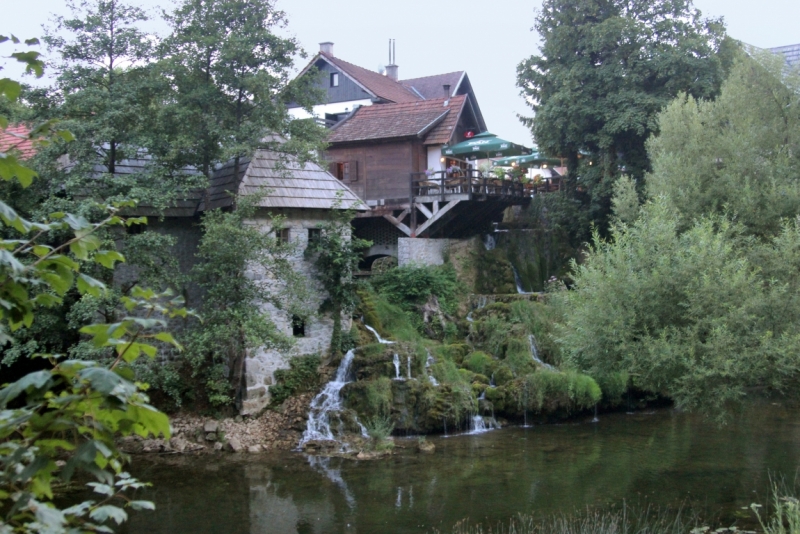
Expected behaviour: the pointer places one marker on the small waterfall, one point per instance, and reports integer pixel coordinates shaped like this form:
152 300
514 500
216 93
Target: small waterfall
408 366
482 395
469 317
480 424
489 242
491 382
535 353
518 282
377 335
396 362
327 401
595 419
428 363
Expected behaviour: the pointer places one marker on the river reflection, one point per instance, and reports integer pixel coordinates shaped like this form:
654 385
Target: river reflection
664 458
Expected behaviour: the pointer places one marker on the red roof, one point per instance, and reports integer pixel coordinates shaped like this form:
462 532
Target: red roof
426 118
15 138
382 86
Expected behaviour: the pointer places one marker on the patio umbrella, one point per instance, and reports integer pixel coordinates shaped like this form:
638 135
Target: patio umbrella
483 146
531 160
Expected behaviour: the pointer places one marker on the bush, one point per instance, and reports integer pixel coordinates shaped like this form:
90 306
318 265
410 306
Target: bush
550 391
301 376
480 363
379 428
412 285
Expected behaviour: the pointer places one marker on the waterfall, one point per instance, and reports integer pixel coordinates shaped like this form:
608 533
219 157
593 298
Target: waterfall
535 353
396 362
329 400
428 363
469 317
518 281
480 424
489 242
595 419
408 365
377 335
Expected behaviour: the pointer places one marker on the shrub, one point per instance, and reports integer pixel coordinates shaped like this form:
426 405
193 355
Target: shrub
480 363
411 285
301 376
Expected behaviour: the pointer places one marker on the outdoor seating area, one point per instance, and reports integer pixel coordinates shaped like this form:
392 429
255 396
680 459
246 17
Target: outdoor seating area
476 183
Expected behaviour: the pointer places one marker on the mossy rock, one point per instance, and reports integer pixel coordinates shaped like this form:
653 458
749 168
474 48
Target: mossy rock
503 375
494 273
366 310
377 360
480 363
454 352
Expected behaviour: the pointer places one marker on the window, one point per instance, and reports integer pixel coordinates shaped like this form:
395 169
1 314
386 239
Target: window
334 79
314 235
298 326
282 235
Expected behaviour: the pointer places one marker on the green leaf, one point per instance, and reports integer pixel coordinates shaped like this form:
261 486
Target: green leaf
10 88
107 258
142 505
107 511
92 286
38 380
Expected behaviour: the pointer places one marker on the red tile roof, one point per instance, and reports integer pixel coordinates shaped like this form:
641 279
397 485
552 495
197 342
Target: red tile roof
382 86
15 138
425 118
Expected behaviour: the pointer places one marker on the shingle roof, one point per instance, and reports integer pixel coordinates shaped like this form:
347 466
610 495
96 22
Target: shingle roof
443 132
15 137
430 87
790 52
382 86
389 121
283 181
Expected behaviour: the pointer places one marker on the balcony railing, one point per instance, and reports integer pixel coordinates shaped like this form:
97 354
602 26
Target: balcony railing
476 184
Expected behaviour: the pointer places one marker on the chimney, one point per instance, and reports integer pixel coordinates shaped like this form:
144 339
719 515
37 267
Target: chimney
446 88
326 48
392 68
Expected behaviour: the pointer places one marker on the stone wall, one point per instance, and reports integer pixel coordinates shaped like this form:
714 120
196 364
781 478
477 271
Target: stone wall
422 251
261 364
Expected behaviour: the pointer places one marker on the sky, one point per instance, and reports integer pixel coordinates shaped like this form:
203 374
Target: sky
485 38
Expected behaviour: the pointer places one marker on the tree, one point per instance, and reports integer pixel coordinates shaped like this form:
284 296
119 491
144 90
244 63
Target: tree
69 409
606 68
736 155
230 84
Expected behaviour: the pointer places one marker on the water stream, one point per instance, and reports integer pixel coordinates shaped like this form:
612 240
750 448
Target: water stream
518 282
328 402
377 335
428 364
396 362
535 353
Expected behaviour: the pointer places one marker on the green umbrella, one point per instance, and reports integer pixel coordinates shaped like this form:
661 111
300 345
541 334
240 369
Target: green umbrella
483 146
531 160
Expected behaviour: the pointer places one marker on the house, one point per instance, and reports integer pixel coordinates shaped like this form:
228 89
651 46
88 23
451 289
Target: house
385 144
791 54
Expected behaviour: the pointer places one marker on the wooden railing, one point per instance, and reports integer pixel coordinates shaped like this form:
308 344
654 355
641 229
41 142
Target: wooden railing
475 183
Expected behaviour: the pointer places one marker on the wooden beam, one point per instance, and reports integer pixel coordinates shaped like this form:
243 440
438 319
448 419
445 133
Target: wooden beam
450 205
425 211
400 226
402 214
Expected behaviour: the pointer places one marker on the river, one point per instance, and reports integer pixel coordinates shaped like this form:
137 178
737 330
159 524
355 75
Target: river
663 457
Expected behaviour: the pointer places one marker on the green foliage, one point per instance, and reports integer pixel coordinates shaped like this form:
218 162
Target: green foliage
625 202
379 428
605 70
480 362
686 314
70 409
411 286
548 391
740 150
389 319
301 376
232 325
785 512
337 255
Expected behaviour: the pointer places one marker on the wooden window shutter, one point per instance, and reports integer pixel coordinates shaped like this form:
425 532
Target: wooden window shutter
354 170
332 167
346 173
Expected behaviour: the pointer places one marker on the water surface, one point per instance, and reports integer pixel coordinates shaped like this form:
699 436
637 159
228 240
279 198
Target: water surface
662 457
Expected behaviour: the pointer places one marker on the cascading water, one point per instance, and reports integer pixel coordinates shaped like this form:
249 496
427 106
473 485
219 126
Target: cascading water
535 353
518 282
377 335
328 401
428 363
489 242
408 366
396 362
480 424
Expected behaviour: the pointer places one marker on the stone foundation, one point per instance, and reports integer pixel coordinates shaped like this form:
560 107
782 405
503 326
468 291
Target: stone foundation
422 251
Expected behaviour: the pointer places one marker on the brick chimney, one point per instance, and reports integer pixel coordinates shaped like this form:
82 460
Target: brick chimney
326 48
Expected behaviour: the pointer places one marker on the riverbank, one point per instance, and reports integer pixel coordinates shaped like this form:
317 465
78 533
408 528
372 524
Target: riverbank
278 429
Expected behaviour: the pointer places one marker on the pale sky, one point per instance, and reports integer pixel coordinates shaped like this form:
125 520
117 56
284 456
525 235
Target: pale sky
485 38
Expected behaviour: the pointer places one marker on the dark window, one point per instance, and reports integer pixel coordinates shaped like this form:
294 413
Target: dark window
314 234
340 170
135 229
282 235
334 79
298 326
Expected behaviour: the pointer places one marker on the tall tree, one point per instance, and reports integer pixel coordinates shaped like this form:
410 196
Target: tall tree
605 69
231 82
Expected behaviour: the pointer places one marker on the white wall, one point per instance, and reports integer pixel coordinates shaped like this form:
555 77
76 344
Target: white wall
434 155
322 109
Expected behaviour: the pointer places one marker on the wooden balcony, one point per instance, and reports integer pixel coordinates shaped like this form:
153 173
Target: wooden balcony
443 186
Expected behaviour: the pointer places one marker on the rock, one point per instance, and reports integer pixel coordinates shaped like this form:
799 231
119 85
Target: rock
210 426
426 446
239 419
218 446
235 445
254 448
211 436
